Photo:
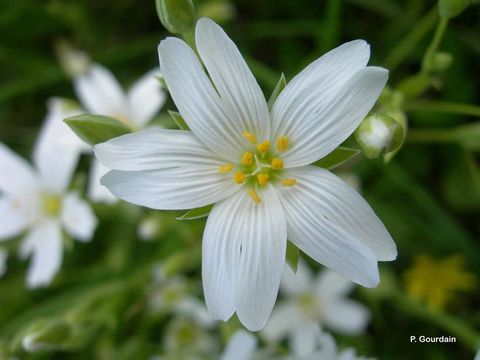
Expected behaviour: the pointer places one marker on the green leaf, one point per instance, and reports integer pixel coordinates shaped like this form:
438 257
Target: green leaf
337 157
95 129
182 125
451 8
282 82
197 213
293 256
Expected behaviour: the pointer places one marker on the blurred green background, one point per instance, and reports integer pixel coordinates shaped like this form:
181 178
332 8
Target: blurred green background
428 195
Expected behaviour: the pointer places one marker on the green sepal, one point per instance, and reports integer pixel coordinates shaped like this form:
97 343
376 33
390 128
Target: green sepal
95 129
337 157
178 16
451 8
197 213
399 135
282 82
293 256
182 125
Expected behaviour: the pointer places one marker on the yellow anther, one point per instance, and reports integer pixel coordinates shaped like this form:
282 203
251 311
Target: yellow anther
277 163
239 177
250 137
51 204
282 143
254 196
289 182
262 179
263 147
247 158
225 168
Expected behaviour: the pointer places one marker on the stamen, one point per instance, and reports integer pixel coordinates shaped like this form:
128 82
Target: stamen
247 158
239 177
263 147
250 137
289 182
277 163
282 143
254 196
262 179
225 168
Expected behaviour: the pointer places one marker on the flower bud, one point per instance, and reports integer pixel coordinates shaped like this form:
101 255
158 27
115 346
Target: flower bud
219 11
178 16
375 134
73 61
441 61
451 8
46 336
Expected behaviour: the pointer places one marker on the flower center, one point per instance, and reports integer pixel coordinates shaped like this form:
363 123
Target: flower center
260 165
309 305
51 204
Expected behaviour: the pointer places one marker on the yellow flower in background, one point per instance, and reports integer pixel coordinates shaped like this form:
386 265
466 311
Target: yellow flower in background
437 282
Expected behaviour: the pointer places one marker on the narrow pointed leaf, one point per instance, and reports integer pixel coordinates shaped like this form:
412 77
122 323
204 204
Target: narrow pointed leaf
282 82
197 213
337 157
182 125
95 129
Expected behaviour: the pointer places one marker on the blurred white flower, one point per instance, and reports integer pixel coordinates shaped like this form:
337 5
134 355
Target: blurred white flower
241 346
100 93
3 261
312 303
328 350
255 165
35 199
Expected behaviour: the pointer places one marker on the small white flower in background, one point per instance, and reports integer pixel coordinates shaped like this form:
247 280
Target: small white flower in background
312 303
254 164
3 261
241 346
101 94
35 199
328 350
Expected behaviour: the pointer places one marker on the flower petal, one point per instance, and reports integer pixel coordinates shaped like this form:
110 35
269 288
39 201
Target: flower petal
323 240
233 79
57 149
346 316
15 216
172 188
332 285
285 318
96 191
241 346
145 98
100 92
198 101
78 218
155 149
44 242
296 283
251 242
324 121
16 175
303 340
342 205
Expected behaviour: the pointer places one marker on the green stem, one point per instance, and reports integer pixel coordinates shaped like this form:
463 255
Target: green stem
454 326
432 49
431 136
443 107
408 43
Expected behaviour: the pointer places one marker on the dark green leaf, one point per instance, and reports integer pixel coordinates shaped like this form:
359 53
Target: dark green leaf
337 157
197 213
182 125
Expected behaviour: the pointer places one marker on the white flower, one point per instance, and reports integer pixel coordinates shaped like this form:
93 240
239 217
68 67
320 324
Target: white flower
311 304
100 93
241 346
254 164
36 200
328 350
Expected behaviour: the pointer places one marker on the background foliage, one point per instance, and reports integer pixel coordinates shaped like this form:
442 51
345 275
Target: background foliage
428 195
